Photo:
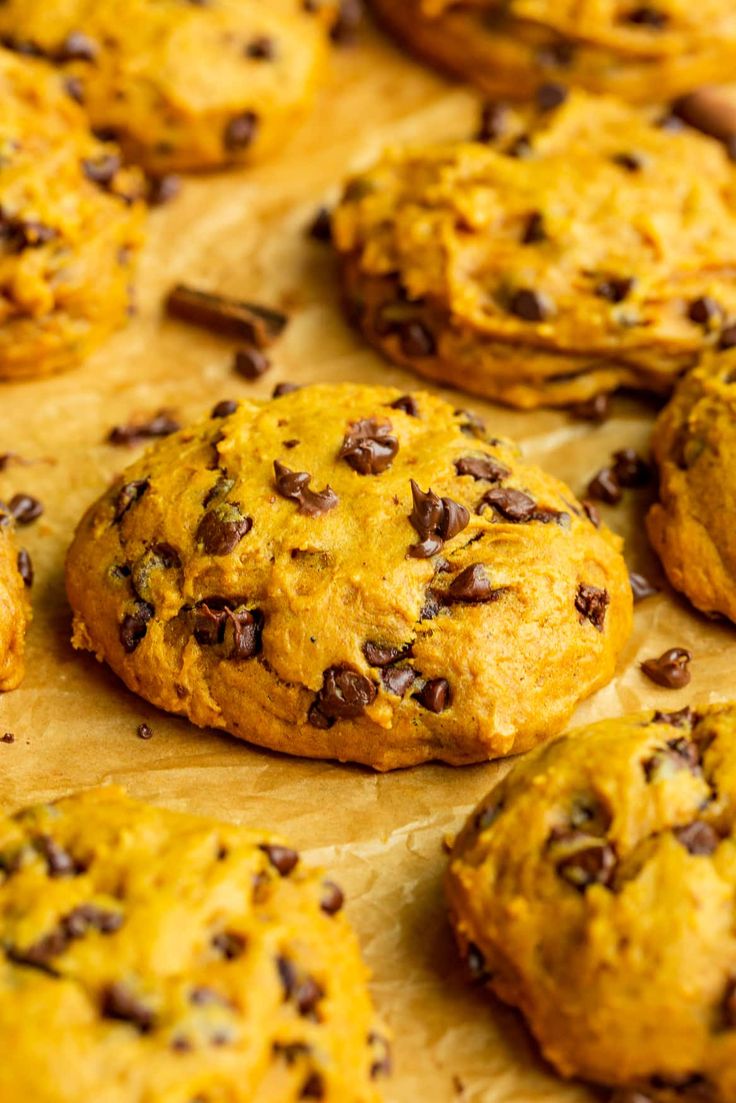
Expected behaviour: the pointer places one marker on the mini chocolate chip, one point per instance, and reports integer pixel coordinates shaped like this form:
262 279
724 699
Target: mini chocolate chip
162 424
282 858
231 944
435 520
59 862
369 447
162 189
482 467
320 229
407 403
222 528
549 96
294 485
251 363
435 695
25 508
134 626
240 131
630 469
144 732
530 306
670 670
345 693
591 603
534 230
25 567
261 48
378 655
605 487
118 1002
614 288
632 162
494 118
332 898
641 587
472 585
398 680
514 505
704 311
698 838
594 864
224 408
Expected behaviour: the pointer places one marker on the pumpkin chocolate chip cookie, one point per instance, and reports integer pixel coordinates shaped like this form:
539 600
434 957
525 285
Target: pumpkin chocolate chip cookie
70 226
182 84
168 957
641 52
694 445
348 572
594 890
16 576
582 248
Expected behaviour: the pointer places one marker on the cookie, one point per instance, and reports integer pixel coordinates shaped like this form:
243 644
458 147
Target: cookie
150 955
641 52
694 445
183 84
70 226
15 579
348 572
594 888
576 251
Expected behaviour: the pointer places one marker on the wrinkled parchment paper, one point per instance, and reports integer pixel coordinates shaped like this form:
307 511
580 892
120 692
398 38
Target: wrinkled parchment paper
382 837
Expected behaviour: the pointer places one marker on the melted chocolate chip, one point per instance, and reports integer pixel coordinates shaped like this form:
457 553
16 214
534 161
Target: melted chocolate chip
681 718
294 485
435 695
222 528
417 342
162 424
313 1087
630 469
435 520
605 487
704 311
240 131
77 47
678 754
670 670
407 403
398 680
549 96
25 508
482 467
284 388
345 693
17 234
128 494
647 16
167 555
282 858
134 626
332 898
530 306
513 505
118 1002
162 189
472 585
591 603
698 838
369 447
261 48
632 162
593 864
102 170
378 655
592 513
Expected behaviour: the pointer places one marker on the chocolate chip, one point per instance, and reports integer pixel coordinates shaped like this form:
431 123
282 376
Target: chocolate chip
381 1065
520 148
59 862
641 587
728 338
629 469
729 1006
416 340
262 48
549 96
231 944
407 403
482 467
128 494
435 695
593 864
118 1002
369 447
77 47
240 131
224 408
320 228
251 323
313 1087
592 513
513 505
615 289
605 487
472 424
530 306
285 388
494 118
698 838
476 963
472 585
378 655
681 718
162 424
435 520
102 170
679 754
25 508
162 189
647 16
332 898
282 858
670 669
25 567
222 528
398 679
18 234
251 363
345 693
591 603
704 311
167 555
91 917
134 626
144 732
632 162
534 230
294 485
7 737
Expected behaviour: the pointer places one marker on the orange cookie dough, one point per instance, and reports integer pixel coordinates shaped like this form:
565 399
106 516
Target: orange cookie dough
594 889
577 251
70 226
149 956
15 607
347 572
694 445
641 52
181 83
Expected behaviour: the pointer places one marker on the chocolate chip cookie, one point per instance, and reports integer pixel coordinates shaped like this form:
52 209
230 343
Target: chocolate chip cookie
16 576
582 247
641 52
348 572
694 445
183 84
594 889
150 955
70 225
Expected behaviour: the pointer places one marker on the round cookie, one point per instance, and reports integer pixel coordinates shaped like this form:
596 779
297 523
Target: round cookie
183 84
594 889
578 251
694 445
347 572
15 606
150 955
70 226
641 52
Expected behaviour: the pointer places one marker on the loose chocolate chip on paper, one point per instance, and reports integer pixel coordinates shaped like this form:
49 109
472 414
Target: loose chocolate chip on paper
591 603
7 737
252 323
294 485
25 508
369 446
630 469
251 363
332 898
641 587
224 408
605 487
144 731
285 388
670 670
162 424
596 409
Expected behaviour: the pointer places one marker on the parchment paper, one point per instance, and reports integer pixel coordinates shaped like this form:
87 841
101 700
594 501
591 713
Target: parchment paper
382 837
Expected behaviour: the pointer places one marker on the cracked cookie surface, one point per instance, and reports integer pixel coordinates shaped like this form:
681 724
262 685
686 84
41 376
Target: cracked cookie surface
583 248
15 606
70 226
694 445
171 957
348 572
183 85
641 52
594 889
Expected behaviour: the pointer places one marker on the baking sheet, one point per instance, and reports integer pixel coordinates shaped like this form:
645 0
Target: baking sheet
382 836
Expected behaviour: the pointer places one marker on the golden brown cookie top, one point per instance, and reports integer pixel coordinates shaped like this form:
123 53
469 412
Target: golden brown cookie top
596 885
585 227
163 956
